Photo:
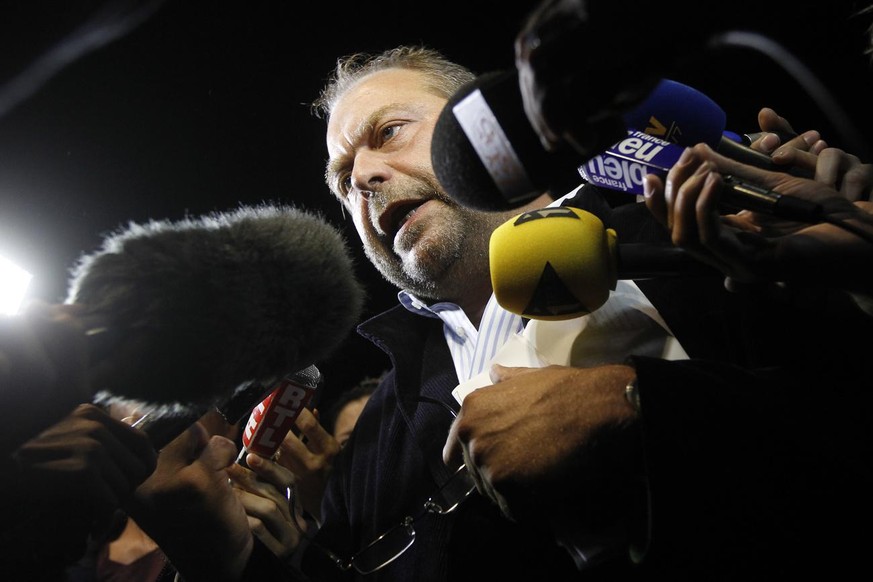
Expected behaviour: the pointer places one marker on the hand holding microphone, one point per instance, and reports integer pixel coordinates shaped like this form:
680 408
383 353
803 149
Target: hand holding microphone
835 252
188 507
271 420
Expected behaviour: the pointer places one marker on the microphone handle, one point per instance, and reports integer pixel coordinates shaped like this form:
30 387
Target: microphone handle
746 155
164 428
648 261
740 195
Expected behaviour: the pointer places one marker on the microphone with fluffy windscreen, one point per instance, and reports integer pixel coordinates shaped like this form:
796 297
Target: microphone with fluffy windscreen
184 314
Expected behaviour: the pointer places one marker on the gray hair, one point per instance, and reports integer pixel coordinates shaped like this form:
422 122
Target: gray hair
444 76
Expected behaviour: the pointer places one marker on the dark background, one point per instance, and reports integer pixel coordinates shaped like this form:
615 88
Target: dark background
204 106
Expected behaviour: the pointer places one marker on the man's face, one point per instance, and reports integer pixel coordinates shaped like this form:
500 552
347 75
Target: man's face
378 140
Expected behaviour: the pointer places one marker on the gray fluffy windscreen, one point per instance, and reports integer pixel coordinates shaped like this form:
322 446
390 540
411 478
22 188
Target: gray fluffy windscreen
198 306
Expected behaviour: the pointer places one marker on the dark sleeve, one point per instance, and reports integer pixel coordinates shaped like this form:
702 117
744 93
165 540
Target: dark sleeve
751 474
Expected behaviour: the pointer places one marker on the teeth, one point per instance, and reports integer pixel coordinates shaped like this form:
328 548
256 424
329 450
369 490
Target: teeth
405 217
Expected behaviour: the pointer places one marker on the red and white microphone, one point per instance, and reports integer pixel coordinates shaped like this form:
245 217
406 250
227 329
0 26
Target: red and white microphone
270 421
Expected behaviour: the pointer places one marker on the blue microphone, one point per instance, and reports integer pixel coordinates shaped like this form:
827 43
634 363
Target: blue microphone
679 114
685 116
624 166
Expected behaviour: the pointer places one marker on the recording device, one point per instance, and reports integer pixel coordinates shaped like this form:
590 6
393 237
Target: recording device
272 419
185 315
624 166
487 156
561 262
485 153
682 115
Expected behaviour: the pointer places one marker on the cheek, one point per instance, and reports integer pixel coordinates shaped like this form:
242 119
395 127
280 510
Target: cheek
373 247
364 229
360 225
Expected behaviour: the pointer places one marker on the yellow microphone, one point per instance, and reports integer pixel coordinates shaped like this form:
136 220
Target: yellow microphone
553 263
561 262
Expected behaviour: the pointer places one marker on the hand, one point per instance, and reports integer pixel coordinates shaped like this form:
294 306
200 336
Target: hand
842 171
74 475
310 461
188 507
750 249
552 440
828 165
773 126
43 370
88 457
264 493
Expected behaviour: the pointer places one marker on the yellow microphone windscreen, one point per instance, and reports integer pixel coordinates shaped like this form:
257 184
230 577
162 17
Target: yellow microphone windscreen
553 263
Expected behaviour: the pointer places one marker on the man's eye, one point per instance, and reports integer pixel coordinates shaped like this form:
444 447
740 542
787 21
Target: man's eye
345 183
342 184
389 131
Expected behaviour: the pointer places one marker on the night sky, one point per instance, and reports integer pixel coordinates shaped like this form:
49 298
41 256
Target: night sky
204 106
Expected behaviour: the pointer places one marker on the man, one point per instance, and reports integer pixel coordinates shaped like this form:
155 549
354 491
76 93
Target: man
582 474
380 121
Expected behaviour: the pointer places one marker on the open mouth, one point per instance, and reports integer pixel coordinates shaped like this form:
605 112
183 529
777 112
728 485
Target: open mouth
397 214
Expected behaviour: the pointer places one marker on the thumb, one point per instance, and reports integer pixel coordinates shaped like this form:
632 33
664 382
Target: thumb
218 454
499 373
453 451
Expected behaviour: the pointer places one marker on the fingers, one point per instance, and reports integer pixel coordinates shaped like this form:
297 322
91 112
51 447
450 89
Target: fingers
458 451
684 168
453 453
500 373
267 480
845 173
800 152
269 524
653 191
460 445
270 476
129 449
264 494
318 440
90 450
770 121
218 454
684 227
692 157
185 448
706 212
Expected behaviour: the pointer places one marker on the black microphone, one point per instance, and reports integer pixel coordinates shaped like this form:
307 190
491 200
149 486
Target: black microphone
486 155
184 315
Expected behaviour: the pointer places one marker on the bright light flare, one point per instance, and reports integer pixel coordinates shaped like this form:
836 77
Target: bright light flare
13 285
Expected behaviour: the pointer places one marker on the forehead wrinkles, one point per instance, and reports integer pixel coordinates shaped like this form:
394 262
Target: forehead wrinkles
345 141
356 114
